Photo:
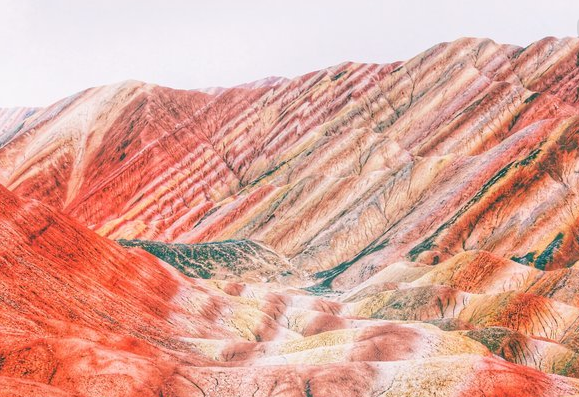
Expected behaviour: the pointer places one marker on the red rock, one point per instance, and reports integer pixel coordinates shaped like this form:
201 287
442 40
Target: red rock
432 202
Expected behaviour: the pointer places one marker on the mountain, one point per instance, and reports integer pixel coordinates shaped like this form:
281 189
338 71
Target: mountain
81 316
364 230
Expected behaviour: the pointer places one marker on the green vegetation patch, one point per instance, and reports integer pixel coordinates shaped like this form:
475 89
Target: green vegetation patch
547 255
202 260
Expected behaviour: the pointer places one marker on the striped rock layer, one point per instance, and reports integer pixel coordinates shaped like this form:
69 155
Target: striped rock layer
433 202
82 316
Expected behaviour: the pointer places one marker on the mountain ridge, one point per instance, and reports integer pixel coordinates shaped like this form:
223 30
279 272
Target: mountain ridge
363 230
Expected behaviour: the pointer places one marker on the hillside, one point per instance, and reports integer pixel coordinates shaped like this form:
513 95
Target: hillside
364 230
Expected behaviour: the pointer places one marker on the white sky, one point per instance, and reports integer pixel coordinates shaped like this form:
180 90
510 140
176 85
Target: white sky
52 49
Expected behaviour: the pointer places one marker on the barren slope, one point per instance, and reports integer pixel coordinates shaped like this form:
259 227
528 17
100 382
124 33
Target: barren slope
365 230
349 168
81 316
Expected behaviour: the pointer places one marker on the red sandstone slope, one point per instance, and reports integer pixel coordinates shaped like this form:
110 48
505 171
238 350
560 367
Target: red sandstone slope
438 195
341 171
80 316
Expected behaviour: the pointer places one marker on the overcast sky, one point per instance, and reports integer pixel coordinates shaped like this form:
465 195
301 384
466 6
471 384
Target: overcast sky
52 49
